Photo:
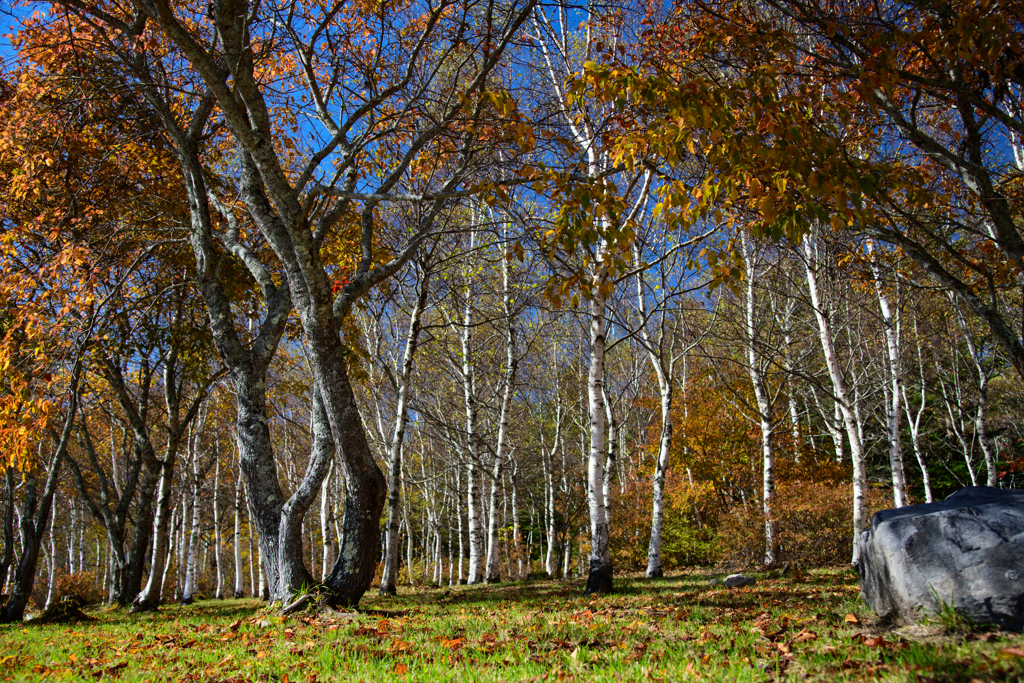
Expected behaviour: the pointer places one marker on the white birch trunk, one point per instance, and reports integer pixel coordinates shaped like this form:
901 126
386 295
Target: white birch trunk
193 532
253 552
219 592
954 399
389 576
842 398
516 544
549 490
610 456
894 394
327 535
52 555
476 545
980 432
599 579
237 539
458 509
492 574
914 421
762 398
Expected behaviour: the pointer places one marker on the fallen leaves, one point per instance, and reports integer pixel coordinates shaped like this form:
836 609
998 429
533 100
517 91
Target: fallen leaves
453 643
803 637
878 641
581 639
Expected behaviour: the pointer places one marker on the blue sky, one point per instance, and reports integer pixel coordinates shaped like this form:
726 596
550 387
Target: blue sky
11 11
8 22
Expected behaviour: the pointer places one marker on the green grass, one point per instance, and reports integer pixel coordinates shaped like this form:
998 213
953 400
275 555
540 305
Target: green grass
678 628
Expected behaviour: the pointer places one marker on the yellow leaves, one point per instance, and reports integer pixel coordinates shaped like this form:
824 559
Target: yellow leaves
453 643
754 188
23 420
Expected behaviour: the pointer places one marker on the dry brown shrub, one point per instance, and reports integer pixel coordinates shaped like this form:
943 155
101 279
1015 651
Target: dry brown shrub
80 584
813 525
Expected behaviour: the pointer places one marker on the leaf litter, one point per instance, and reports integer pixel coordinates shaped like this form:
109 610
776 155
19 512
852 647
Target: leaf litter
677 628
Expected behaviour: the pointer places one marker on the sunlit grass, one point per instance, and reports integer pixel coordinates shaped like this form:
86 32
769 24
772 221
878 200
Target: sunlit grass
678 628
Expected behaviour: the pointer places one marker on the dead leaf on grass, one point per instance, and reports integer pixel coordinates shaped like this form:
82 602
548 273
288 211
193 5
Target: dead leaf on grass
400 646
1012 652
453 643
803 637
851 618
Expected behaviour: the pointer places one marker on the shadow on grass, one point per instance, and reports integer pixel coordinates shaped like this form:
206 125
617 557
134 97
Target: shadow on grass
691 588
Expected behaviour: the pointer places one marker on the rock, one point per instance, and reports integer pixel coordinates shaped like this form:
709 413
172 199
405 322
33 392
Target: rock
966 551
738 581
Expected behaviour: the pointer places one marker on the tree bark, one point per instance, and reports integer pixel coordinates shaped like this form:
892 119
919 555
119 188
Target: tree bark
822 315
219 589
327 535
599 578
36 513
894 392
389 576
8 556
755 369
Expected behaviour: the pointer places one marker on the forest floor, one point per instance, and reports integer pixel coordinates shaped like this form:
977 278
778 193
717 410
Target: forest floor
811 627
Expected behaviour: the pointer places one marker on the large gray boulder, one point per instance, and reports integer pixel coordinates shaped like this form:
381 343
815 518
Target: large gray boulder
967 551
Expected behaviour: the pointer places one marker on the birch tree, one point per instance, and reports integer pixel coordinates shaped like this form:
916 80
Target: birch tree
401 387
212 50
814 254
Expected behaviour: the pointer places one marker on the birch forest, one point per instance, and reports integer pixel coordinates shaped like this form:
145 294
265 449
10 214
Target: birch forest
335 298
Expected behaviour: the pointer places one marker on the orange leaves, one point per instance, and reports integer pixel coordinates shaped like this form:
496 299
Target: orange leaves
453 643
878 641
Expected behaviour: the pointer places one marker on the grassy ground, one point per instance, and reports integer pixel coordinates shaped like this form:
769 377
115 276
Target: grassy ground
678 628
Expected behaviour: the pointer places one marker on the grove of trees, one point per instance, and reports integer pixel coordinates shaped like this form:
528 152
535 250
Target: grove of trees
304 298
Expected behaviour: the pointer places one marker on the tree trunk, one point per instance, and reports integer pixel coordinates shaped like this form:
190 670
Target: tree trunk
894 392
516 542
755 369
654 569
991 468
389 576
842 398
237 538
599 578
327 535
189 589
150 596
511 364
36 514
219 591
914 421
8 556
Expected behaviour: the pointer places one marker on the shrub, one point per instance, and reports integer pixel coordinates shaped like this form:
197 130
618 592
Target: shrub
79 584
689 532
688 529
813 525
